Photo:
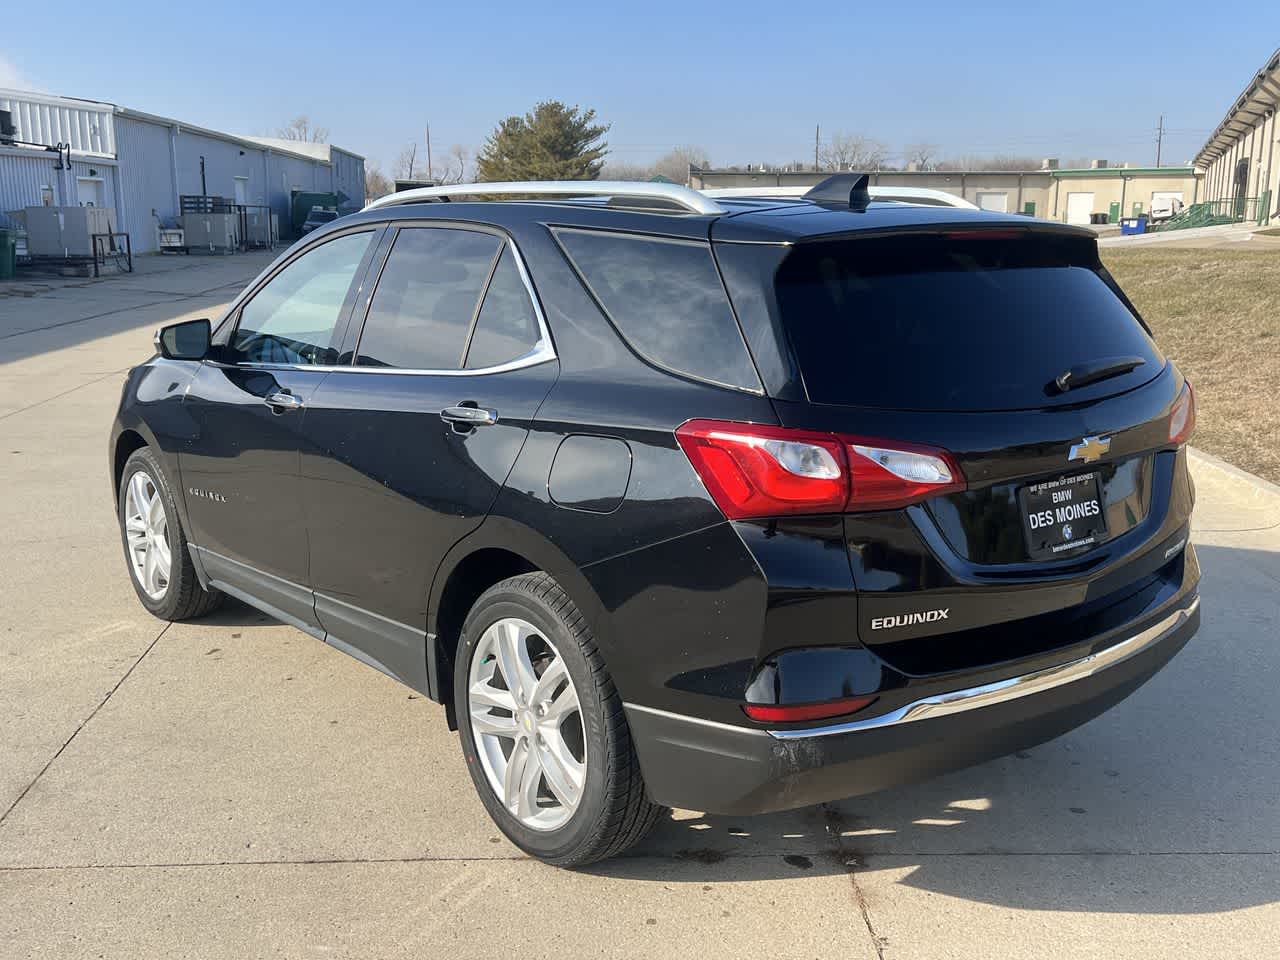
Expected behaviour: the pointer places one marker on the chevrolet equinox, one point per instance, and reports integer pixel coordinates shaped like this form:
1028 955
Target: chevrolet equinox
733 504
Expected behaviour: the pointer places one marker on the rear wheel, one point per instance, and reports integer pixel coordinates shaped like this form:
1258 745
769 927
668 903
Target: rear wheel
542 727
155 545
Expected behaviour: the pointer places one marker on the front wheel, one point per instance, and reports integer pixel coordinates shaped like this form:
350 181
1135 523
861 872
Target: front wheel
543 729
155 545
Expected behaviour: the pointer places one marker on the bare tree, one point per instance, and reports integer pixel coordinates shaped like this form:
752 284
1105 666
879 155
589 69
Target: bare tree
376 183
456 167
994 164
404 168
923 155
613 170
300 128
674 165
844 152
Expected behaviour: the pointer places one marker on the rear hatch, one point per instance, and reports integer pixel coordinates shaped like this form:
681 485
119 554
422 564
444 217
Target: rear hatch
1012 350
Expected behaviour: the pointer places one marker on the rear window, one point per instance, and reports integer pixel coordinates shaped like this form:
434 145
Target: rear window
666 299
944 322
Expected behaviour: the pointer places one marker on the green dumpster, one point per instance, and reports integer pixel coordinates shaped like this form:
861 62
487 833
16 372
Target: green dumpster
8 254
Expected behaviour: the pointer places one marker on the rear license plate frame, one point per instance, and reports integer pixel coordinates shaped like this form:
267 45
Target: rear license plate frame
1058 518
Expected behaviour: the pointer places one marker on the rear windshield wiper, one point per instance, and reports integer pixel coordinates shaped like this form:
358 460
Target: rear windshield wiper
1083 374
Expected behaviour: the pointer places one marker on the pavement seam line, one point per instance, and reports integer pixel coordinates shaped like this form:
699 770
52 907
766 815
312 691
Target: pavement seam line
849 860
167 298
59 396
85 722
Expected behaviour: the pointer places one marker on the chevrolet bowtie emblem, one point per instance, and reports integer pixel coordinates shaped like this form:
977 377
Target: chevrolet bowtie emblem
1089 449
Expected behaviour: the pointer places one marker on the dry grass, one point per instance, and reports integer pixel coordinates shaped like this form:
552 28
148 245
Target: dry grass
1216 313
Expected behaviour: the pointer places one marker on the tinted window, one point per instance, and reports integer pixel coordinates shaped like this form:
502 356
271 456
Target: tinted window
666 299
955 323
507 327
292 318
426 299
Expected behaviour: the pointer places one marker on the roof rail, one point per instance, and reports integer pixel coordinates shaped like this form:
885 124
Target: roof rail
676 195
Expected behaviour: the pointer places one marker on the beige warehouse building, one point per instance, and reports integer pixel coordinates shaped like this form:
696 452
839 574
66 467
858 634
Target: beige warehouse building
1071 196
1241 171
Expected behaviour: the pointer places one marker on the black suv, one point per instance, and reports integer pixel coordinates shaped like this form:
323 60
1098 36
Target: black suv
731 505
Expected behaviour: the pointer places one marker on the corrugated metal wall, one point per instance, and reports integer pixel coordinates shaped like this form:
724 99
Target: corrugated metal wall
146 179
87 127
146 169
348 177
21 178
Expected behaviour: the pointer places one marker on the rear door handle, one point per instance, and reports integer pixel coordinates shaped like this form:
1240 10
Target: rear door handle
283 402
468 416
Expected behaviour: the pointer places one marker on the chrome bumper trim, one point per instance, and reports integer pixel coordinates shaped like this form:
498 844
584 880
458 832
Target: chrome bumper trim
973 698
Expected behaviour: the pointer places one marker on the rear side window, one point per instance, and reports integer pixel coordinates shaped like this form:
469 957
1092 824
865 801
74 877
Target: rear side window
955 322
666 299
507 327
426 299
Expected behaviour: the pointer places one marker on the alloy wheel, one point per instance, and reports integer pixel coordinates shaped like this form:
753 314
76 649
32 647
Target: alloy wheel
146 529
526 721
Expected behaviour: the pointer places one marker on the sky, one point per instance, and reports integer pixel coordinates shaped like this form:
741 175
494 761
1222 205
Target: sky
746 82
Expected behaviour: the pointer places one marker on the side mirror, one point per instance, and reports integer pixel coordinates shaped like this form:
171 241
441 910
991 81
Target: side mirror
188 340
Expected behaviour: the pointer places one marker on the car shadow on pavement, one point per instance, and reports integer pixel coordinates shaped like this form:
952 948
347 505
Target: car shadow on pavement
1168 803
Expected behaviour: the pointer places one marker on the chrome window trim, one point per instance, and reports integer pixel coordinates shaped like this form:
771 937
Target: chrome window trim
1014 688
543 351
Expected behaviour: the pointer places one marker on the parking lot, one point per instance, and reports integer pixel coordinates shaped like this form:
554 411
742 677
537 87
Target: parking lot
232 788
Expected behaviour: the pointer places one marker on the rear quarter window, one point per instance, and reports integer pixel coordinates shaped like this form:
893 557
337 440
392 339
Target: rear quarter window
666 299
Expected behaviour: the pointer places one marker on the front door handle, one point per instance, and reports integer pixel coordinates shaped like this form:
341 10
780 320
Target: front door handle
283 402
465 415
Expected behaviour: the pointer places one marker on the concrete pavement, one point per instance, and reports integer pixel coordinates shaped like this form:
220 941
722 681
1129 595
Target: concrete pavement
232 788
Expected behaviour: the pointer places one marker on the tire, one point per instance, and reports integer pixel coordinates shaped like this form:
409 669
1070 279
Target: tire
181 596
610 809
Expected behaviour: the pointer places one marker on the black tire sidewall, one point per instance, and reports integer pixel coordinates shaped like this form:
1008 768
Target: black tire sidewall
165 608
583 827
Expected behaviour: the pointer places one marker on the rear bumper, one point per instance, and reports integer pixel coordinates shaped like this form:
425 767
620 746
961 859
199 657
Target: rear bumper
720 768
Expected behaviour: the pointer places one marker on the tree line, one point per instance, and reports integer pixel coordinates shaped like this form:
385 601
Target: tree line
554 141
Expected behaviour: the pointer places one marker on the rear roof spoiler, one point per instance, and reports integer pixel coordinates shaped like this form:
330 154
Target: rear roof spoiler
843 189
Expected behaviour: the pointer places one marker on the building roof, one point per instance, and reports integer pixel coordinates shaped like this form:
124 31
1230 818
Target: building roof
1259 97
316 151
320 152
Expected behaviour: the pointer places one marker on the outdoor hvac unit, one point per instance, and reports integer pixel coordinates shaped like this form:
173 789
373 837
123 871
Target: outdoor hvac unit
66 231
211 231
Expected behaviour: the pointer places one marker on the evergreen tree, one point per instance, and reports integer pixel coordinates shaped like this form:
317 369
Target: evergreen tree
551 142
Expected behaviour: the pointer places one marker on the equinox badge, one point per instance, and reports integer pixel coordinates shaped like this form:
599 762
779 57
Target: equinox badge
1089 449
906 619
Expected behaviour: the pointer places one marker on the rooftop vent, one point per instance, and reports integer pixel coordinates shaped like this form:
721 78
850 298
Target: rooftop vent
1049 163
1098 164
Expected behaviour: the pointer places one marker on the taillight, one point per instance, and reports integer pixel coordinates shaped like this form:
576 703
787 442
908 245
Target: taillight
759 471
775 713
1182 419
755 471
886 477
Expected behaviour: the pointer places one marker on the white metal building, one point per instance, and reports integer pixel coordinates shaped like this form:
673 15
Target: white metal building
1241 172
139 164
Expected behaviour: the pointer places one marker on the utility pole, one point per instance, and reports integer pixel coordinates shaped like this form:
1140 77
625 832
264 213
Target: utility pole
817 130
1159 139
429 167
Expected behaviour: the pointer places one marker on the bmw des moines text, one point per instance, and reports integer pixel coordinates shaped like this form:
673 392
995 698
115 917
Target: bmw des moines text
731 503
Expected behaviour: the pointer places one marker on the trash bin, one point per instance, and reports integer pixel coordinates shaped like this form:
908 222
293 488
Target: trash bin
1133 225
8 254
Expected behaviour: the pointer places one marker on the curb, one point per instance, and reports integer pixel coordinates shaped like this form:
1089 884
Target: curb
1244 481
